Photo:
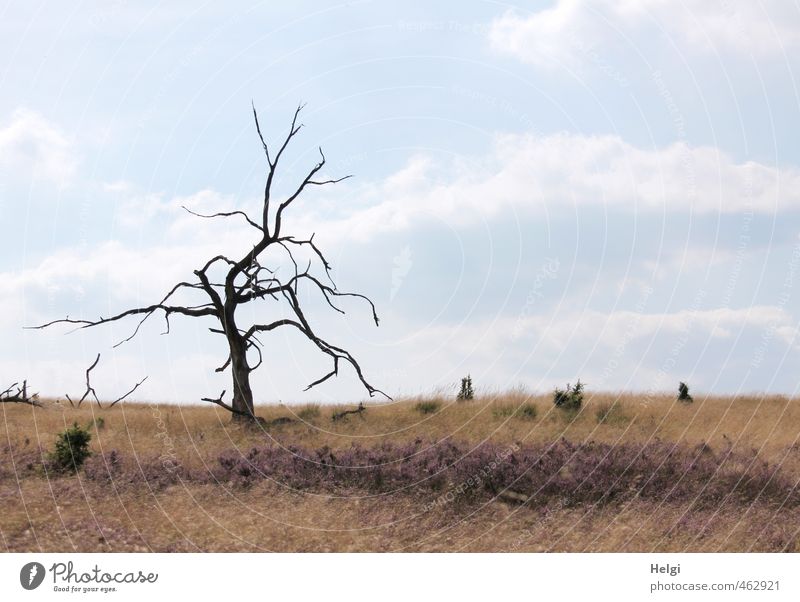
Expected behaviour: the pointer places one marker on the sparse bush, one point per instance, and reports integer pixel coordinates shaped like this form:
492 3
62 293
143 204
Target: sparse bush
71 449
610 414
308 413
466 393
570 398
98 422
683 393
427 407
603 412
528 411
503 411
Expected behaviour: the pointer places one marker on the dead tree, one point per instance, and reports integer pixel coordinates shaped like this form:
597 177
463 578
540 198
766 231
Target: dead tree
228 283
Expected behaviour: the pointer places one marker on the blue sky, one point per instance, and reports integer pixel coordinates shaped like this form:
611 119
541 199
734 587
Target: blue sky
542 192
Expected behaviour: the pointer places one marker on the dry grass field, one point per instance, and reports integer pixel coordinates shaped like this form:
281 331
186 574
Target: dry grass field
183 478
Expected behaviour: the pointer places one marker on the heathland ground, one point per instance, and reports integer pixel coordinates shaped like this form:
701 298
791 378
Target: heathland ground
505 472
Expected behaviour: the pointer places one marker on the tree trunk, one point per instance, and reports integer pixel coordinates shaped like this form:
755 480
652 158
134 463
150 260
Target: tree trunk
242 393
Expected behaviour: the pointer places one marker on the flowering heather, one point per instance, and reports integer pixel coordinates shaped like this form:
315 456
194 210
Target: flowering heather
575 474
457 472
587 473
158 473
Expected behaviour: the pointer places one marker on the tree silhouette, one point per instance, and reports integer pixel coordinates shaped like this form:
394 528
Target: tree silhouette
246 280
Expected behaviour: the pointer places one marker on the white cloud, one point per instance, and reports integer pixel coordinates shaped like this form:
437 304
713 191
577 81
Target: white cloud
590 327
615 328
522 173
527 173
137 209
29 144
608 348
567 32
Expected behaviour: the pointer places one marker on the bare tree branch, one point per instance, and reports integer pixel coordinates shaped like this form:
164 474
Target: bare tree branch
336 353
327 291
293 129
200 310
218 401
224 366
330 181
254 345
309 179
258 129
136 386
20 395
166 314
310 242
226 214
89 388
91 391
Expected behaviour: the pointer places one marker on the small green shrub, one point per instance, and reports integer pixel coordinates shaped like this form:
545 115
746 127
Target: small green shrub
427 407
308 413
528 411
683 393
71 448
98 422
570 398
466 392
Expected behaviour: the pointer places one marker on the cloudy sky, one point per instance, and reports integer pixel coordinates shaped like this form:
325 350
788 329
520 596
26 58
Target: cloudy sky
542 192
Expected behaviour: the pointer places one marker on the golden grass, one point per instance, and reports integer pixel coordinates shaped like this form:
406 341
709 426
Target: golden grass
769 424
68 512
